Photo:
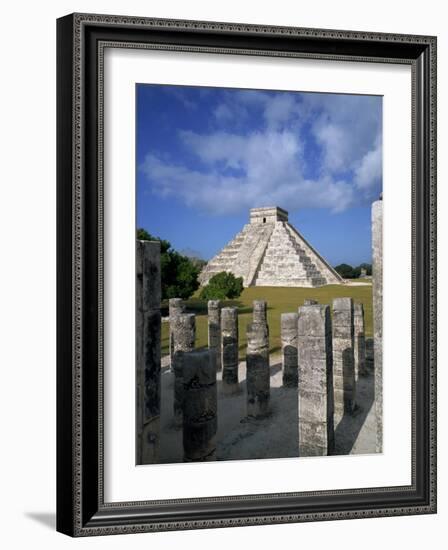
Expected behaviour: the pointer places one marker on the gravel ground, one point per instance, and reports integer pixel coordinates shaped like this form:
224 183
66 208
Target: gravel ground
241 438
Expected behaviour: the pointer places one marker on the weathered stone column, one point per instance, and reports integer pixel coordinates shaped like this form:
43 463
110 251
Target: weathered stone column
229 346
199 406
148 352
343 358
289 349
310 302
377 287
359 342
257 373
176 307
316 428
214 330
185 333
259 314
369 355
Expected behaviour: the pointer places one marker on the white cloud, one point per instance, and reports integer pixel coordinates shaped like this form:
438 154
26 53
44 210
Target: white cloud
280 110
347 129
216 147
223 112
177 92
336 150
269 165
369 171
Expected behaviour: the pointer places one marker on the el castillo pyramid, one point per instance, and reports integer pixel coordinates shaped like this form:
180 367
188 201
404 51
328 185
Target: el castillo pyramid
269 251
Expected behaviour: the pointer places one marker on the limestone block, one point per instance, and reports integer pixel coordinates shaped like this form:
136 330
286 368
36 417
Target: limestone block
311 325
199 406
377 288
185 334
359 341
259 311
176 307
229 346
214 330
152 363
289 349
315 381
148 352
148 274
343 358
369 355
257 372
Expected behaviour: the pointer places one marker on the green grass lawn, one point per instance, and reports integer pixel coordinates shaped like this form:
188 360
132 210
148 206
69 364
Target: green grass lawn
280 300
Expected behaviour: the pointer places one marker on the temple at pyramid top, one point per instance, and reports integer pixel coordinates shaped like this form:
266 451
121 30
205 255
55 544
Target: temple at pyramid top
269 251
268 214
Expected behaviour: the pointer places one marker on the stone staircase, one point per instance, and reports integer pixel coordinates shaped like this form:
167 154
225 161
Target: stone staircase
269 251
286 263
241 256
327 272
225 260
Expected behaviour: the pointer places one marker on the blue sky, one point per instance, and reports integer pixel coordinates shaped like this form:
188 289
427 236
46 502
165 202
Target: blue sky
205 156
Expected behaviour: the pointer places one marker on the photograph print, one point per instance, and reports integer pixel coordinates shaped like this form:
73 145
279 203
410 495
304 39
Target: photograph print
258 274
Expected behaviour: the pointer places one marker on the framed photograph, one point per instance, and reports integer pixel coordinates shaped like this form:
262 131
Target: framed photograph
246 274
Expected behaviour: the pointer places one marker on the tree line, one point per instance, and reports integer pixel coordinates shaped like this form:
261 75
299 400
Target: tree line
349 272
180 274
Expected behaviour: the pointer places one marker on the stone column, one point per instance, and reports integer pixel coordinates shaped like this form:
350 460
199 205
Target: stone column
289 349
259 314
343 358
199 406
369 356
185 333
176 307
257 372
359 341
229 346
214 330
377 287
148 351
316 428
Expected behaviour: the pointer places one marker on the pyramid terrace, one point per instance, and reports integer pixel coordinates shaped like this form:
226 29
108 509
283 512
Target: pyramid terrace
269 251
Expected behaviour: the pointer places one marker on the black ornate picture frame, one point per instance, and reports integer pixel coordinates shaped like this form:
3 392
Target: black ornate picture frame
81 508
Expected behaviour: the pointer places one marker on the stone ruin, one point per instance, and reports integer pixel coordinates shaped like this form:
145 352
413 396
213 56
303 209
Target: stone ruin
200 406
377 288
269 251
315 381
148 353
323 356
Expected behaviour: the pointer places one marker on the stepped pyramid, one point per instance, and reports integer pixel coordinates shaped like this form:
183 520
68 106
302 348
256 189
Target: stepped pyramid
270 252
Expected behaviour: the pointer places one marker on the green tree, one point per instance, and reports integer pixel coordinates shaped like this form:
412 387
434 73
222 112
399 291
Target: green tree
222 286
349 272
143 235
345 270
179 273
